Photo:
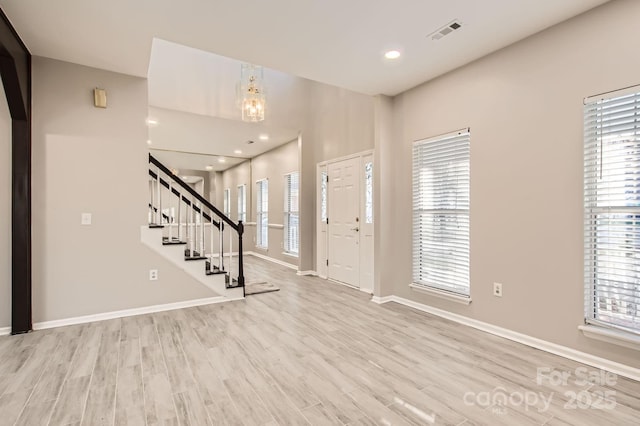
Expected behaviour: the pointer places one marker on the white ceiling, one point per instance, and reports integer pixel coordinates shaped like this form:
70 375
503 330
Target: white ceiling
191 53
192 96
181 161
192 80
336 42
191 135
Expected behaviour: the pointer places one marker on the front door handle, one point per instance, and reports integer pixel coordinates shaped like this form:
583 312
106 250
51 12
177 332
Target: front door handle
355 229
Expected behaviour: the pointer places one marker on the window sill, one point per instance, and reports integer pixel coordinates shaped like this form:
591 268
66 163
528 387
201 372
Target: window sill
265 249
441 294
616 337
290 254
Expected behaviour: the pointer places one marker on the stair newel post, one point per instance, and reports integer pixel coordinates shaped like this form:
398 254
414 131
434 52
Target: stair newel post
221 253
211 253
169 210
159 210
240 263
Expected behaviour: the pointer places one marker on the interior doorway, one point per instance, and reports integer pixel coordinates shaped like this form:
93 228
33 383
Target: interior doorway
345 225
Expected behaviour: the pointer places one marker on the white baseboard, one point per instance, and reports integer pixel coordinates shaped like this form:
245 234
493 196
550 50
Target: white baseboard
563 351
307 273
129 312
271 259
612 336
380 300
332 281
5 331
226 254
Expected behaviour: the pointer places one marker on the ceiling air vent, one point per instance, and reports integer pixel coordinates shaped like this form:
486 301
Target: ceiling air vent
446 30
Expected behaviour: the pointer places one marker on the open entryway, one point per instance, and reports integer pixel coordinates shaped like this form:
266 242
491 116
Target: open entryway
345 226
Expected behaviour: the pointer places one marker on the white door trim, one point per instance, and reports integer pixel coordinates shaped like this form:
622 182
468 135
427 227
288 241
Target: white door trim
322 245
346 157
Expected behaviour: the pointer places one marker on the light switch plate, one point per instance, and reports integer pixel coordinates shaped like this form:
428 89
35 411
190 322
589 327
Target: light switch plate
85 219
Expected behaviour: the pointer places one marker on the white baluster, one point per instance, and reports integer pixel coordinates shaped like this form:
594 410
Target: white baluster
170 220
179 218
190 229
152 214
211 253
159 211
201 230
221 248
230 259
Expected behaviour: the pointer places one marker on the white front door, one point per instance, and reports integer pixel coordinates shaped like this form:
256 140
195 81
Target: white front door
343 217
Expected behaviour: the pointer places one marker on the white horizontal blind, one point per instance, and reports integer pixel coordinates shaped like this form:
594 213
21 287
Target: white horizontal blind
612 211
291 182
262 213
441 173
242 203
227 202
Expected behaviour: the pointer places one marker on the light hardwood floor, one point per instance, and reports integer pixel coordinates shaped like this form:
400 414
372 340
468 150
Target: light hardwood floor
313 353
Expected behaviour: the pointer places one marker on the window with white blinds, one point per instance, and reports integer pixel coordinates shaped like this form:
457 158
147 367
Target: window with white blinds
227 202
291 185
262 213
242 203
612 210
441 213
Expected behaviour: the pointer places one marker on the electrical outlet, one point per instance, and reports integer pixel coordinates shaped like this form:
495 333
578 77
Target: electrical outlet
85 219
497 289
153 274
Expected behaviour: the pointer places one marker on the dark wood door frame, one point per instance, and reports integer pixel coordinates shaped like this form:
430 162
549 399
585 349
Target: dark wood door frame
15 69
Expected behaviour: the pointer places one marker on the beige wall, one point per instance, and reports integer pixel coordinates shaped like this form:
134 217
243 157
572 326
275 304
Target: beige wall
215 188
5 211
340 123
383 196
524 107
231 178
271 165
93 160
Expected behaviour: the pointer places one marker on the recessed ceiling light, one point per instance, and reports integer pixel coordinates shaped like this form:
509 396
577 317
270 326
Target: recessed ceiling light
209 168
392 54
148 141
222 160
152 121
237 151
264 137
